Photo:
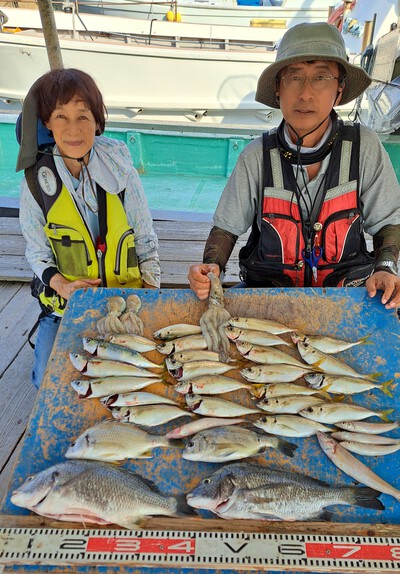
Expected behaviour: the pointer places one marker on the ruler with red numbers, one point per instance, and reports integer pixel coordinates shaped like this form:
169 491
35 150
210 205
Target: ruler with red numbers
196 550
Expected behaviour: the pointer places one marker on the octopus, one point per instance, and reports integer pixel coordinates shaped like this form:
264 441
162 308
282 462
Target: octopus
129 318
111 323
214 320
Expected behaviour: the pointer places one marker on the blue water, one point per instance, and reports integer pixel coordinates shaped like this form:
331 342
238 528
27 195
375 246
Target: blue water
176 192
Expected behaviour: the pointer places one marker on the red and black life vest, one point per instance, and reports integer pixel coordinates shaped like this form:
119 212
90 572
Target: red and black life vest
282 240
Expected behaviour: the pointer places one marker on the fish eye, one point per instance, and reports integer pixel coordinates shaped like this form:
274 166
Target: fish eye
207 481
190 444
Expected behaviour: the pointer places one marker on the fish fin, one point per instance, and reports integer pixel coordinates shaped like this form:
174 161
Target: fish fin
367 497
287 448
374 376
324 391
256 390
338 398
384 415
385 387
147 454
175 443
365 340
182 507
316 366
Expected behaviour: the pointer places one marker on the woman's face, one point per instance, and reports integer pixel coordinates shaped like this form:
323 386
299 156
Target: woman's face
74 128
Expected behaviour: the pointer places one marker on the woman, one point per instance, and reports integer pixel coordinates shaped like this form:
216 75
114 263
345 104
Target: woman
83 211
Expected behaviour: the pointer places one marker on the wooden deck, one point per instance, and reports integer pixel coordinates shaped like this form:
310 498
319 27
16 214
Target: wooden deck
181 243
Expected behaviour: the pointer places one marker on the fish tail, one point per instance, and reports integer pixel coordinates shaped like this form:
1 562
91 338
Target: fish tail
375 376
182 507
384 415
365 340
175 443
366 497
324 391
385 387
257 390
285 447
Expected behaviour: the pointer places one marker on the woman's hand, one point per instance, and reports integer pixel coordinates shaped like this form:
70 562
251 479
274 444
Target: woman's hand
389 284
198 280
65 288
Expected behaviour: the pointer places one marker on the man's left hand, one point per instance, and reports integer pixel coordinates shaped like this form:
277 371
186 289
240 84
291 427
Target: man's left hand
389 284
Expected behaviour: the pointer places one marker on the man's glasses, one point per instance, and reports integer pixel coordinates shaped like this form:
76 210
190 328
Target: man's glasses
317 82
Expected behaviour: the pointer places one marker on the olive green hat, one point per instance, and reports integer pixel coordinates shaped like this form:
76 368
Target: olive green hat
307 42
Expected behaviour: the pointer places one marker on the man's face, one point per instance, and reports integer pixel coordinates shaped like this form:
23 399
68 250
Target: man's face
306 104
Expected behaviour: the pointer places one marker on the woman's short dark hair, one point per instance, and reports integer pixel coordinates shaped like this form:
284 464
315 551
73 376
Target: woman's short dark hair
61 85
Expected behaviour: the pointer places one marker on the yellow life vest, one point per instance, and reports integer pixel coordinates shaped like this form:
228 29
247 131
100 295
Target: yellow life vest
113 258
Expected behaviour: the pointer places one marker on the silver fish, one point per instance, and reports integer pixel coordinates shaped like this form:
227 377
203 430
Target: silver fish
104 386
288 389
332 413
182 344
192 355
221 444
216 407
364 438
278 373
256 337
327 363
370 428
370 449
106 368
326 344
266 355
149 415
267 325
106 350
216 489
92 492
134 399
290 425
202 423
295 501
353 467
176 331
287 404
342 384
214 385
134 342
111 441
193 369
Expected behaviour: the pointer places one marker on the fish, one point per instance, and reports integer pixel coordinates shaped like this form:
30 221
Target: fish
199 424
326 344
193 369
332 413
111 441
370 449
370 428
287 404
327 363
266 355
256 337
222 444
92 492
192 355
290 502
288 389
176 331
104 386
254 324
106 368
279 373
149 415
134 342
216 489
364 438
106 350
216 407
290 425
213 385
353 467
342 384
134 399
182 344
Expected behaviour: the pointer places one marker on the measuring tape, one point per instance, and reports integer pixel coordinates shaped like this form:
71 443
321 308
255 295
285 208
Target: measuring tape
219 550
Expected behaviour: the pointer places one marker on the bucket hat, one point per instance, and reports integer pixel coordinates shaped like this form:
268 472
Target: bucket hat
307 42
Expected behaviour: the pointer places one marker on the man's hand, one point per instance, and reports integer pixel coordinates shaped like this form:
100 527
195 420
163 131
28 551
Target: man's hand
65 288
389 284
198 280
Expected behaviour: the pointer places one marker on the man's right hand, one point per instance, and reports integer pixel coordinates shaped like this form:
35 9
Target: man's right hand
198 280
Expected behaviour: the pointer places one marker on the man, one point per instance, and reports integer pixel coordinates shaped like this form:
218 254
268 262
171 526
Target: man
311 187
